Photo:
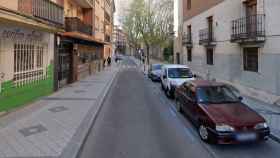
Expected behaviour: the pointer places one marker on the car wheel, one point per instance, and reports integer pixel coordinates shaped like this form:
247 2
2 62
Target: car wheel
167 92
203 133
162 87
178 106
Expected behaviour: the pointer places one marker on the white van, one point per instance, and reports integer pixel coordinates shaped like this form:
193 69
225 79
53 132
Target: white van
173 76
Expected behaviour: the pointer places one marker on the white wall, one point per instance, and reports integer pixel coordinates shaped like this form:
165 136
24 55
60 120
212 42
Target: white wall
228 56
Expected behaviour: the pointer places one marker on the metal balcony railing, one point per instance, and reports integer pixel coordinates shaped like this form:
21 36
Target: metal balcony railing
43 9
107 38
249 28
206 36
73 24
187 39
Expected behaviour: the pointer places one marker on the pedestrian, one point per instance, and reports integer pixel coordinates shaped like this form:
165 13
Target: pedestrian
104 62
109 61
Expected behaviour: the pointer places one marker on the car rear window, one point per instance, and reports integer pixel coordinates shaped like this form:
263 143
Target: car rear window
179 73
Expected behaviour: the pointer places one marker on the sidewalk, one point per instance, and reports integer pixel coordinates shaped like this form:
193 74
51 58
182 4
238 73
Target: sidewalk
269 111
55 126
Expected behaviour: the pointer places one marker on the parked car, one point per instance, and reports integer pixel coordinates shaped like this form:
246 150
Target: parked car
219 114
173 76
118 57
155 72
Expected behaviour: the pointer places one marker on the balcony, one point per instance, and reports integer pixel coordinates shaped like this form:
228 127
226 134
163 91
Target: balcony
43 9
107 38
206 37
249 29
107 17
85 3
187 40
74 24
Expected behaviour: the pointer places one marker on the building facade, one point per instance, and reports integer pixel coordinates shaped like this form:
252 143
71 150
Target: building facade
109 10
27 47
235 41
120 41
79 51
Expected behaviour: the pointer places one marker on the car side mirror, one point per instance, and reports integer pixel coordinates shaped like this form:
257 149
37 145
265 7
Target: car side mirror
194 75
240 98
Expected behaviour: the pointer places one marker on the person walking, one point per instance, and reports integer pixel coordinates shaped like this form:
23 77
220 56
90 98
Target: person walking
109 61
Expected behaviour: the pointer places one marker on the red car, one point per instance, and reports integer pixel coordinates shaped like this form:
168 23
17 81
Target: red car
218 113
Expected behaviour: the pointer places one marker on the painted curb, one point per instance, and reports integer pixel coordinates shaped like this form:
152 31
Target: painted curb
75 145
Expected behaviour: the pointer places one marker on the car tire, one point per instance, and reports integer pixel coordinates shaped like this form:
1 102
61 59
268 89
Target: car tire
162 87
178 106
203 133
167 93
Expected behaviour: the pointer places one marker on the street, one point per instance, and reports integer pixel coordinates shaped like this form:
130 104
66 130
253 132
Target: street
138 121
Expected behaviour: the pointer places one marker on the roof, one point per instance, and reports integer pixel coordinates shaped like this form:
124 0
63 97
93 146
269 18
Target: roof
175 66
205 83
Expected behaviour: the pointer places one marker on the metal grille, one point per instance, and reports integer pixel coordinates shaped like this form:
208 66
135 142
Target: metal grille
29 63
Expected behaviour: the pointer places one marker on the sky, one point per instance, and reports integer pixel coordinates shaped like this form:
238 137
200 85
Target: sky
120 4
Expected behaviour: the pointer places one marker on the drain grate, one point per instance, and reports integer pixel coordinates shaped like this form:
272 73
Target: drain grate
32 130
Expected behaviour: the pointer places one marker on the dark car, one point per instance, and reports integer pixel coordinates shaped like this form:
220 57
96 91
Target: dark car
219 114
154 72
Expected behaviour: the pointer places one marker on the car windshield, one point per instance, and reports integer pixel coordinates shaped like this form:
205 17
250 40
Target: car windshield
216 95
156 67
179 73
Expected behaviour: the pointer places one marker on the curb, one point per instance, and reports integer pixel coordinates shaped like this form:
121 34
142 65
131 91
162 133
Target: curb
75 145
274 137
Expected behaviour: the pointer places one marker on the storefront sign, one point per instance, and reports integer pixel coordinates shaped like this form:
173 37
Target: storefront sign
18 34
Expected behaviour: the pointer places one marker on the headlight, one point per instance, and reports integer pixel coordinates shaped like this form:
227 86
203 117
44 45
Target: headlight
261 126
224 128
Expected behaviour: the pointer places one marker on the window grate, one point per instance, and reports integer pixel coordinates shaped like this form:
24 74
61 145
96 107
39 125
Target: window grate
29 65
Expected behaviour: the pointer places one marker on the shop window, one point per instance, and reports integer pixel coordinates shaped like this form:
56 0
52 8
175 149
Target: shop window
28 63
250 59
189 53
210 56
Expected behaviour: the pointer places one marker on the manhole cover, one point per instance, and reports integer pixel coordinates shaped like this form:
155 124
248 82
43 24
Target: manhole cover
32 130
58 109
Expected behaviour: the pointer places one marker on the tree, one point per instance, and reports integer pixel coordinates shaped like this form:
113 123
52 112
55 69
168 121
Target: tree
148 21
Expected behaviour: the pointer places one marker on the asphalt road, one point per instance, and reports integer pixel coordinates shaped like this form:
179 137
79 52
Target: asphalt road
138 121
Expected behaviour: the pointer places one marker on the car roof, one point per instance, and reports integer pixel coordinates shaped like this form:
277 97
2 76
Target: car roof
206 83
175 66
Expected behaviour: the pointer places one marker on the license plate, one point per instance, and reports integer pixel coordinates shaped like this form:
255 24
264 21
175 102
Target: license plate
246 137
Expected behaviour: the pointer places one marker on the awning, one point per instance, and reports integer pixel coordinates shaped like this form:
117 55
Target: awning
80 36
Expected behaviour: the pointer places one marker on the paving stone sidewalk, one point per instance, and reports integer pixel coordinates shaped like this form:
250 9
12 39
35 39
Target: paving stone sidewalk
49 126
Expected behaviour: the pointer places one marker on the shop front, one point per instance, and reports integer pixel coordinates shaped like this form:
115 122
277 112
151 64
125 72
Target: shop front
78 58
26 65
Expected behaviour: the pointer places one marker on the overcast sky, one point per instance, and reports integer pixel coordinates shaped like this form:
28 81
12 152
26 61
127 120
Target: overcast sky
121 4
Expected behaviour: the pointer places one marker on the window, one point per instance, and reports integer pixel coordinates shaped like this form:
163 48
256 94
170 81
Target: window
210 56
189 4
250 59
179 73
216 95
28 63
189 53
